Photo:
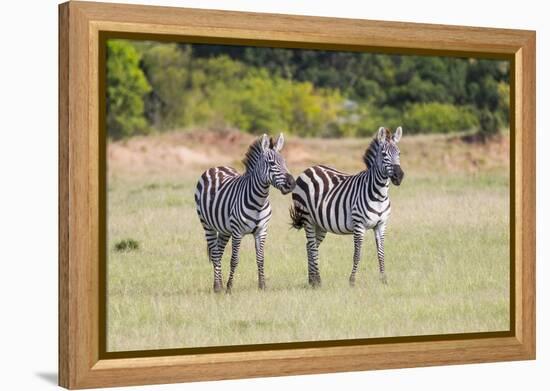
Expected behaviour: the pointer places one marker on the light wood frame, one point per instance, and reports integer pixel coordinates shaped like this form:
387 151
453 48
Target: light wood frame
80 25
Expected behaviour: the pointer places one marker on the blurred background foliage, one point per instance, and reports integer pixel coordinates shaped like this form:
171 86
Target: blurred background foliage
153 87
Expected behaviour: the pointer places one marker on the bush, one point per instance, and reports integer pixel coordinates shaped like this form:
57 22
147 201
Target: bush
260 102
219 91
488 123
126 245
439 118
375 117
504 103
126 87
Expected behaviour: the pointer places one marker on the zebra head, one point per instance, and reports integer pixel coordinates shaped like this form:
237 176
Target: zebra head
274 166
388 154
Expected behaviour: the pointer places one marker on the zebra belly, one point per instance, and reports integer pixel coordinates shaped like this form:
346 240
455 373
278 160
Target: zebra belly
249 221
213 198
240 225
352 217
337 225
324 207
337 231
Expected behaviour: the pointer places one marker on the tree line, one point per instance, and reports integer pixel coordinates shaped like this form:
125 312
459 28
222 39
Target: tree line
153 87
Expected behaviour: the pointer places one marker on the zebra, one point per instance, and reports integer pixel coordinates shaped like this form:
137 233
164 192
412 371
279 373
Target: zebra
327 200
231 205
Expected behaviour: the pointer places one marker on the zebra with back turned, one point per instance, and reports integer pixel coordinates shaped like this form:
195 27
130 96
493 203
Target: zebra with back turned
327 200
231 205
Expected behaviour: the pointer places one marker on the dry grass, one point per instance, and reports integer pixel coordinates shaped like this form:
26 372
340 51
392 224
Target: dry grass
446 253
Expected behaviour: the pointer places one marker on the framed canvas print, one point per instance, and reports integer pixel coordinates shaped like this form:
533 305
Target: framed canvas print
247 195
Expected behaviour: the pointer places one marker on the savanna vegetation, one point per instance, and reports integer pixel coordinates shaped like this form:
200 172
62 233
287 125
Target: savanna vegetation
174 110
155 87
447 248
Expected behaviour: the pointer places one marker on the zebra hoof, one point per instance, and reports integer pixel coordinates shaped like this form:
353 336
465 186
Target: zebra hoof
217 288
261 286
315 283
383 279
352 282
228 287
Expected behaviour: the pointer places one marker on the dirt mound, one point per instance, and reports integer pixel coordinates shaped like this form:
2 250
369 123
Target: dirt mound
223 137
297 154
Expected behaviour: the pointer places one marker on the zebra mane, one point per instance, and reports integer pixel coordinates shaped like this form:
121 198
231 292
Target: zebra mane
369 156
253 154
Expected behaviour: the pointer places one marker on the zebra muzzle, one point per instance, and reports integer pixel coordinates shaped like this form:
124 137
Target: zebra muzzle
289 185
398 175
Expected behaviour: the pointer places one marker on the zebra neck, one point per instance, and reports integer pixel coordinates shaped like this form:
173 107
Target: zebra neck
257 187
378 184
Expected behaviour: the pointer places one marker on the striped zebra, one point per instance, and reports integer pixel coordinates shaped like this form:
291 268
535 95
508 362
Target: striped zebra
231 205
327 200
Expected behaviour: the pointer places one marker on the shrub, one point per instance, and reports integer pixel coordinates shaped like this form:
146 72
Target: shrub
261 102
126 245
488 123
373 117
504 103
438 118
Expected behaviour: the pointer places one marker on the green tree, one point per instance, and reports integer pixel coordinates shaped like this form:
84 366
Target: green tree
126 87
168 70
488 123
305 92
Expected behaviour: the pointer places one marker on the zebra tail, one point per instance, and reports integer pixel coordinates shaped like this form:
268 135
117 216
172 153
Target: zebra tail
297 218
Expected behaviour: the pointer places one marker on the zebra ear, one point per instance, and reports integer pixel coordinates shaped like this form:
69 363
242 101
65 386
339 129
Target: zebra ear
279 144
381 136
265 142
397 135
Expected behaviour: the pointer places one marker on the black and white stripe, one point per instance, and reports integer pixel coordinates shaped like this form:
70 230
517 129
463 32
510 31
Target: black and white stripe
327 200
231 205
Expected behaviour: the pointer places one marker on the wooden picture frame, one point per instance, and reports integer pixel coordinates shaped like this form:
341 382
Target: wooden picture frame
83 362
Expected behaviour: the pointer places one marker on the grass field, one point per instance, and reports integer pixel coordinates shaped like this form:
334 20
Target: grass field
447 249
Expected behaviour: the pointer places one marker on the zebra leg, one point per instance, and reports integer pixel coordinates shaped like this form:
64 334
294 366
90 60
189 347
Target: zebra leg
358 235
235 244
218 255
314 278
260 242
319 237
379 232
212 250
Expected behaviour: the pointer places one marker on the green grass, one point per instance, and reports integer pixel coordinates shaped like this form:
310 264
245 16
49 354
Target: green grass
126 245
447 260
